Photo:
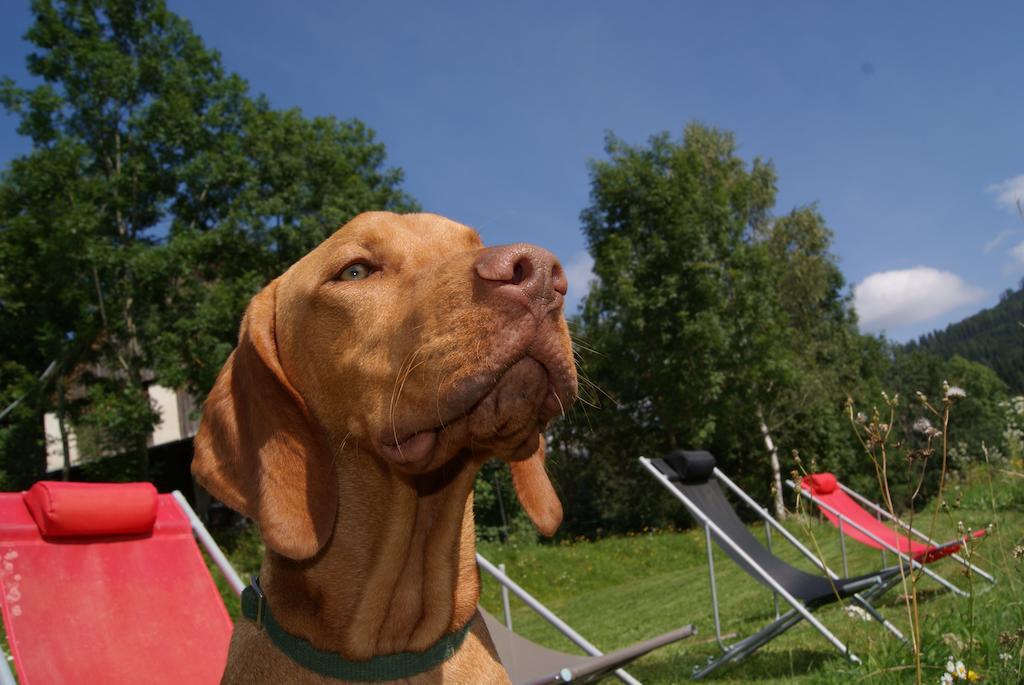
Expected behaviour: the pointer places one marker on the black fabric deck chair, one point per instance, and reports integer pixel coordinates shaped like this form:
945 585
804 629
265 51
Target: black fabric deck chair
528 663
694 480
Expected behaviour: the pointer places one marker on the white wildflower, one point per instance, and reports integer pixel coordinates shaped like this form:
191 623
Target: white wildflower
955 392
961 670
922 425
857 612
946 679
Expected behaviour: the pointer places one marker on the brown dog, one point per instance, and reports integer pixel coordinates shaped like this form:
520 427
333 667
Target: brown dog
369 384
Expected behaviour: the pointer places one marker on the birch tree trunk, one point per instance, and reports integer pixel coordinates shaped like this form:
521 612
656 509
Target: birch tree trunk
773 452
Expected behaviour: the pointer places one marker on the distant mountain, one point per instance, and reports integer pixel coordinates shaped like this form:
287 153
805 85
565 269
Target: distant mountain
994 337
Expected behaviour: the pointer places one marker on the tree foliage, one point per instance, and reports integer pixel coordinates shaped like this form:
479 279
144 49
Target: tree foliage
712 321
708 313
158 197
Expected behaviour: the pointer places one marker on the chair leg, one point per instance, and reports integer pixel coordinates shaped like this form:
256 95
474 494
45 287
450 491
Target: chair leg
751 643
748 645
880 589
870 608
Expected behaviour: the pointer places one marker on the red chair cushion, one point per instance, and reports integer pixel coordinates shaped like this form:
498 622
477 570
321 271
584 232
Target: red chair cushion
92 509
821 483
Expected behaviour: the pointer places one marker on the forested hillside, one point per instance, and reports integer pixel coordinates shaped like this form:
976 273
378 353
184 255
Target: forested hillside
993 337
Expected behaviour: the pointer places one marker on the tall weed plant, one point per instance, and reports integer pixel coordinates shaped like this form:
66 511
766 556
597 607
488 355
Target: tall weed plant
926 457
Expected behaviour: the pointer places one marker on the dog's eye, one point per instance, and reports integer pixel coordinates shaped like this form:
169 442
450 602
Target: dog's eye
355 272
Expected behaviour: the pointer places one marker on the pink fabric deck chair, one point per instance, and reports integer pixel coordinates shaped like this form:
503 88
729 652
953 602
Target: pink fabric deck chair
844 508
104 583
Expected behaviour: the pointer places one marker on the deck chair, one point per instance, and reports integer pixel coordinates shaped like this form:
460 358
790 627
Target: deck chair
104 583
528 663
844 508
693 479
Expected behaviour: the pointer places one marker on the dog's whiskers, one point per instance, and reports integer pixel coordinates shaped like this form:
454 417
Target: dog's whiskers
404 370
341 448
561 407
394 429
581 345
591 385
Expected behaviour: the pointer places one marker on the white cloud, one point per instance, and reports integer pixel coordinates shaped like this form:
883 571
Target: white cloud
998 240
894 299
1009 192
579 271
1017 252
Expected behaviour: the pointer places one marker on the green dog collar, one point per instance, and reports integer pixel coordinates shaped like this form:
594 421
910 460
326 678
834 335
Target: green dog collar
332 664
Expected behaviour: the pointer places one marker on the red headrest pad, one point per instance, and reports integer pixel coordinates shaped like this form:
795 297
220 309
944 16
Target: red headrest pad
820 483
81 509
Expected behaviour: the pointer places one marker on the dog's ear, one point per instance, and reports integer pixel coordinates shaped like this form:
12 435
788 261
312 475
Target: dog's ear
535 492
258 449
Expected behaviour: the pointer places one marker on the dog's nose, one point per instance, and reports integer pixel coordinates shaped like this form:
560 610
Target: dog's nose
530 269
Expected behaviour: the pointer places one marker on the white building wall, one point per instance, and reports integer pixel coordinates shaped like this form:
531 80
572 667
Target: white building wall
54 448
164 400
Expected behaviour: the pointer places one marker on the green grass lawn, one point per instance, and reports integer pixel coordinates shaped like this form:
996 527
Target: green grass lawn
620 590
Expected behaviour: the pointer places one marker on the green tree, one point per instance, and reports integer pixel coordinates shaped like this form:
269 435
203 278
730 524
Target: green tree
45 290
158 197
805 360
710 319
283 184
978 417
901 372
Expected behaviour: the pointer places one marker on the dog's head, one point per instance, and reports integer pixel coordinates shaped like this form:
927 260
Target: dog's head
404 339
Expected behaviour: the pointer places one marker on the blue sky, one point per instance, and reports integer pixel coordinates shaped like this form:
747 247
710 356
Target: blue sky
903 122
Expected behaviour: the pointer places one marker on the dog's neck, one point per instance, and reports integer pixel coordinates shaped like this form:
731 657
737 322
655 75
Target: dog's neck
399 571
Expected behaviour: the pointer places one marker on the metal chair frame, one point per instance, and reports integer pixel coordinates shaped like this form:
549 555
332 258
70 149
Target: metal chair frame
886 546
873 587
507 584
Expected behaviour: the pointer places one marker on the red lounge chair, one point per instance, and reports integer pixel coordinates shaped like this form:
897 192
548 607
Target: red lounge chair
104 583
844 508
